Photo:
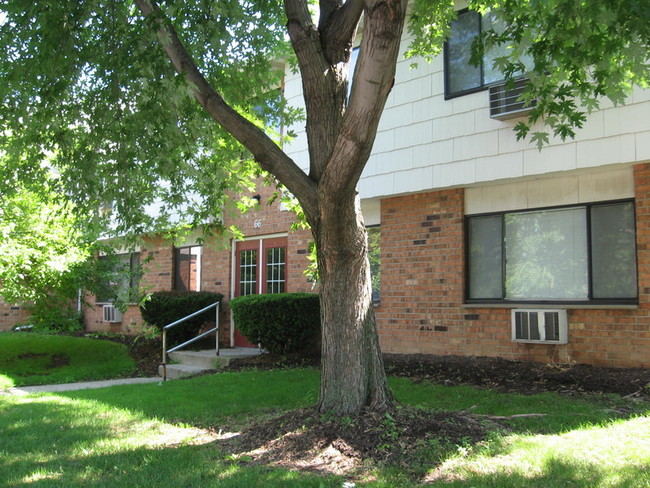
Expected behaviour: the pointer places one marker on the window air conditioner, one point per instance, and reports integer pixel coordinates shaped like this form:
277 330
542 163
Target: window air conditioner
505 103
112 314
549 326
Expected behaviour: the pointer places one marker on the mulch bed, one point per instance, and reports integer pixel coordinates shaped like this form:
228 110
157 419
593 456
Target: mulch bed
485 372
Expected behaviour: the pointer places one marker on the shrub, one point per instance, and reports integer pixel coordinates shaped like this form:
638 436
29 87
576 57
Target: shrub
164 307
54 314
283 323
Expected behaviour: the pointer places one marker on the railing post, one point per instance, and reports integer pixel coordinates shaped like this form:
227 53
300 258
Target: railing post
164 354
216 324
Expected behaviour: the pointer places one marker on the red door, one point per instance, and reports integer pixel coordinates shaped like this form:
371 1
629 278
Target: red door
260 267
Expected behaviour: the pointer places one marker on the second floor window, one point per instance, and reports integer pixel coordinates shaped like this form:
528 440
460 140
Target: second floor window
461 76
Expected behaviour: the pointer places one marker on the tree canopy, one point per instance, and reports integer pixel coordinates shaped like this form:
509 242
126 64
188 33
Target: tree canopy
86 85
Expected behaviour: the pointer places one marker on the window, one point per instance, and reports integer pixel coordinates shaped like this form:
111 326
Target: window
122 278
462 77
261 266
275 269
248 272
374 255
575 254
187 268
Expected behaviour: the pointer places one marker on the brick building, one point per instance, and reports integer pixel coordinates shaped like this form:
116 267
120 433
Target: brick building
488 246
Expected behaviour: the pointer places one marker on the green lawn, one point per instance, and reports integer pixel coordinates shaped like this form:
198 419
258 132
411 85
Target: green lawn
30 358
162 435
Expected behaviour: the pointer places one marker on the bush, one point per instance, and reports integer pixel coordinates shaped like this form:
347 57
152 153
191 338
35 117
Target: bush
283 323
164 307
54 314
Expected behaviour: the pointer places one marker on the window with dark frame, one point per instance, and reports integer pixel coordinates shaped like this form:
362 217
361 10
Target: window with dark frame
461 76
123 280
577 254
374 255
187 268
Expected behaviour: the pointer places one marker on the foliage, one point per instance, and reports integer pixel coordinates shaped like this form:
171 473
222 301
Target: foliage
30 358
51 314
115 121
282 323
41 247
164 307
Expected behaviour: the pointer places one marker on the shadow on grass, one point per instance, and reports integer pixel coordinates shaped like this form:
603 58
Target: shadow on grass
206 401
555 473
47 449
74 439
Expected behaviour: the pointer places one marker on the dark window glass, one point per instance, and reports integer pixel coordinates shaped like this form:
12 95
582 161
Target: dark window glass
580 254
122 278
460 75
374 255
275 269
613 261
187 268
248 272
485 269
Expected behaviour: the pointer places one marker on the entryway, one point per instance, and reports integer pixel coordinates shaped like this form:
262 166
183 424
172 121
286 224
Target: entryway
260 266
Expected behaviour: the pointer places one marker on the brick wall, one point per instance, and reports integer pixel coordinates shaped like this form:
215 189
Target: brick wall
267 219
11 315
157 261
422 292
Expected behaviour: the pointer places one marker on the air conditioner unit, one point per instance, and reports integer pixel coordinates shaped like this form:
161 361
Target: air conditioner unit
112 314
539 325
505 103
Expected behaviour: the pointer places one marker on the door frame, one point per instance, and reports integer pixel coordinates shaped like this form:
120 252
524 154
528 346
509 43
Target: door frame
233 268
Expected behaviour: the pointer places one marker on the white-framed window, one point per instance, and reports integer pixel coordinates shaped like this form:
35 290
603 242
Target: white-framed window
461 76
576 254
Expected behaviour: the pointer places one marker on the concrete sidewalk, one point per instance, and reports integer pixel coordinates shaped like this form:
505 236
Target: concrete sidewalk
26 390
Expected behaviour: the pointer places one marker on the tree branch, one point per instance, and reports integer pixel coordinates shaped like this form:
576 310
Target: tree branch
270 157
373 80
324 103
338 25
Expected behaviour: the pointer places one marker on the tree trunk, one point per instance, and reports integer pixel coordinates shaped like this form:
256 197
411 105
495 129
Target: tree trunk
353 374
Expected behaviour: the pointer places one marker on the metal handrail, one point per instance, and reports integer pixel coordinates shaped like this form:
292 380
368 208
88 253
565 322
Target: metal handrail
200 336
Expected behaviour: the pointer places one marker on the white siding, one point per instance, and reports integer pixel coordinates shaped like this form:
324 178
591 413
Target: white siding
425 142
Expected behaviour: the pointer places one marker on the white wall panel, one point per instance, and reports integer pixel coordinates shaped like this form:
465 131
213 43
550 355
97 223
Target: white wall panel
425 142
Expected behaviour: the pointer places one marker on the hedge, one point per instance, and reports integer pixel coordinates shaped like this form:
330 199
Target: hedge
164 307
283 323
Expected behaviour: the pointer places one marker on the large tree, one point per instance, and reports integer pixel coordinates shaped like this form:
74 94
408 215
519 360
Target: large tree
87 84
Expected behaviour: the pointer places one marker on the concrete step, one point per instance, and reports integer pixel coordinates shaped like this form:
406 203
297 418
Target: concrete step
201 359
189 363
175 371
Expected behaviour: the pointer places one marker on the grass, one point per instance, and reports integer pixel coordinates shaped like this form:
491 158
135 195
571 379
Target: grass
159 435
29 358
